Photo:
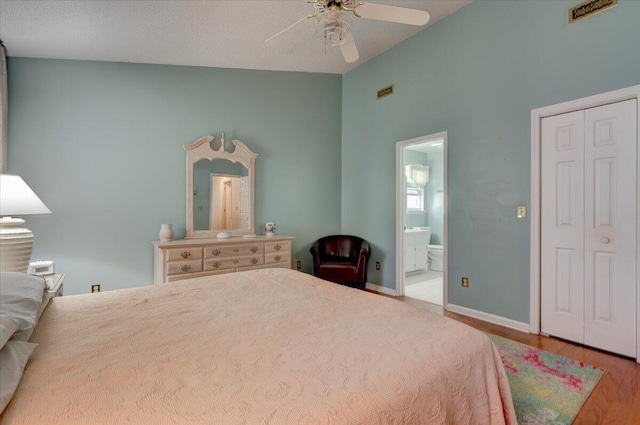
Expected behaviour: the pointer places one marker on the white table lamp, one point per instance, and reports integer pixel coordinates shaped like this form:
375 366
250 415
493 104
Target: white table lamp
16 199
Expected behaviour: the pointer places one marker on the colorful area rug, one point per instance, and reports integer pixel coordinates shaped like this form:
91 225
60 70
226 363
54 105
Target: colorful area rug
546 388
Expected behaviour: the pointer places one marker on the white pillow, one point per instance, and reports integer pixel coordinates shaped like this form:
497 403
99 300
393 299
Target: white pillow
21 296
13 359
8 326
26 334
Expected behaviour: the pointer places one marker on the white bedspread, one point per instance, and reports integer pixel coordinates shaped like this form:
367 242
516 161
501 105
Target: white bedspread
269 346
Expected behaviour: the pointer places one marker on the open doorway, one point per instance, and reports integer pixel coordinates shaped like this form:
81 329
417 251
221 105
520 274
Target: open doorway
227 202
421 218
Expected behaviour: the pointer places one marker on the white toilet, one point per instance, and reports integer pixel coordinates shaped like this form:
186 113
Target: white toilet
436 258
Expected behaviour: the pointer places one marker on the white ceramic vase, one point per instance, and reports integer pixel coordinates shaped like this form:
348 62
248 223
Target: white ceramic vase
270 229
166 232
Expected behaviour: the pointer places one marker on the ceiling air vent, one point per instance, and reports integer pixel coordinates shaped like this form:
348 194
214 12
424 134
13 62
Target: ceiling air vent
590 8
387 91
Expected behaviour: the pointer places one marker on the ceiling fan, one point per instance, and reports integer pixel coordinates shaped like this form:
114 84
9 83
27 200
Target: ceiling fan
334 21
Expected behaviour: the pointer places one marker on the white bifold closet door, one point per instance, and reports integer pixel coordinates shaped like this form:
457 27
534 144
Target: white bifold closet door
588 228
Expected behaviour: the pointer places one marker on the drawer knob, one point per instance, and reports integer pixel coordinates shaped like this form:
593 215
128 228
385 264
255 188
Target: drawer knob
215 264
277 247
254 249
236 261
216 252
277 258
185 254
185 267
254 260
235 250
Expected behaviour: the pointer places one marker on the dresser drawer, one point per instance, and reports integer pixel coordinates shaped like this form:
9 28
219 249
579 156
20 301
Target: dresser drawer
233 251
232 263
276 246
184 267
185 254
187 259
277 257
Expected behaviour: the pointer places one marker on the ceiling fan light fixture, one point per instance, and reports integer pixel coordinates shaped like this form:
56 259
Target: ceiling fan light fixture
335 27
335 18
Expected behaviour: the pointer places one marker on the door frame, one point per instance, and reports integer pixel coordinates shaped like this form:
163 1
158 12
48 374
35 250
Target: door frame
400 211
537 115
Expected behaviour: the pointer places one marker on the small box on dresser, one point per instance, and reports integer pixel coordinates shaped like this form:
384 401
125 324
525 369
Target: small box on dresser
189 258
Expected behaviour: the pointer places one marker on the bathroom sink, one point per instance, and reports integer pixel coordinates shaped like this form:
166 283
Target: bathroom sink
418 229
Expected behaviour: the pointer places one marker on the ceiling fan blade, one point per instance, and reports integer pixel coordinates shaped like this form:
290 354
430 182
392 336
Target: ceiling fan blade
384 12
294 29
349 50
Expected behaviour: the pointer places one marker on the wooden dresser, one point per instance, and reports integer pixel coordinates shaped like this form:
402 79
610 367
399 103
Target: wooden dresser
189 258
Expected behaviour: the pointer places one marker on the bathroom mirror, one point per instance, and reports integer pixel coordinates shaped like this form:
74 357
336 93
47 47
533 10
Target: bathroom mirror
220 188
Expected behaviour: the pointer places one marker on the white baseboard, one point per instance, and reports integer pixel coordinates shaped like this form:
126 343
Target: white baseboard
381 289
488 317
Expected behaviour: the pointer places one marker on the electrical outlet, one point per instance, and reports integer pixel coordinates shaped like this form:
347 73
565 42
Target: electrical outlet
377 265
95 288
465 282
299 265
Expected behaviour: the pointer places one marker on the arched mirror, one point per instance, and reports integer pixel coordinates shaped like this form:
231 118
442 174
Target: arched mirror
219 189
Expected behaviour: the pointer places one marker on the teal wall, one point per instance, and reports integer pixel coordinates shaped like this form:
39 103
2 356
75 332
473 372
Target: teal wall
477 74
101 144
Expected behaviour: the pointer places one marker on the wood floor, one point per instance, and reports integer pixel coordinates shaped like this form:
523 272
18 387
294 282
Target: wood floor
615 399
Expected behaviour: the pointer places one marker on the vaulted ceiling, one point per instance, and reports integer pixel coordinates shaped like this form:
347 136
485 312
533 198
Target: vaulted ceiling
226 34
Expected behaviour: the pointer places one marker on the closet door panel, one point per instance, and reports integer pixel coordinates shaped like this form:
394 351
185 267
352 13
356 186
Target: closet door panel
562 238
610 227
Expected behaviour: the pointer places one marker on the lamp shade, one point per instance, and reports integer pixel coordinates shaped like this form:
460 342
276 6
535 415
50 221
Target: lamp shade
16 243
17 198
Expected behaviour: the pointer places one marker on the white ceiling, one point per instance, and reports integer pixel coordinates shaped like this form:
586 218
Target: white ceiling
214 33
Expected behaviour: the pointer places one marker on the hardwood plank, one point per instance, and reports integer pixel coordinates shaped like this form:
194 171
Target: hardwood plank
614 400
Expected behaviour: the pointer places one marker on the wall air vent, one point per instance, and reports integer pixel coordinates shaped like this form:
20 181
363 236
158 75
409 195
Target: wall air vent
387 91
590 8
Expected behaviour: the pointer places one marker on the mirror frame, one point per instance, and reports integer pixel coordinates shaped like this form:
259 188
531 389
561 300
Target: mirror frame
201 149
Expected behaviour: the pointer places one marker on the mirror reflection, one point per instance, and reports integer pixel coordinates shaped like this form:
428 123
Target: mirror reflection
220 185
220 195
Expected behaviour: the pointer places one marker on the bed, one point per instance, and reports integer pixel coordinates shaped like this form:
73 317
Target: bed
271 346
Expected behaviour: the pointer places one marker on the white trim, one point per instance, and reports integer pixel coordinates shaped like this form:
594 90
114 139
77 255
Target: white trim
400 210
488 317
537 115
381 289
445 222
534 217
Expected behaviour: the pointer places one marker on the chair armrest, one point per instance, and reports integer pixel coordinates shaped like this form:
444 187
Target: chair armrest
362 259
364 249
316 258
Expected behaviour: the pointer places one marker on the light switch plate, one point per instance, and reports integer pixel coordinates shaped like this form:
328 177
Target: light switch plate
522 211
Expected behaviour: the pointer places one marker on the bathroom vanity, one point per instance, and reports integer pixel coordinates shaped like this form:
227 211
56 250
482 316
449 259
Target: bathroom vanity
416 251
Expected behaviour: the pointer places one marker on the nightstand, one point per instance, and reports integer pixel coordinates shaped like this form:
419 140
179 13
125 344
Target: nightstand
54 284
